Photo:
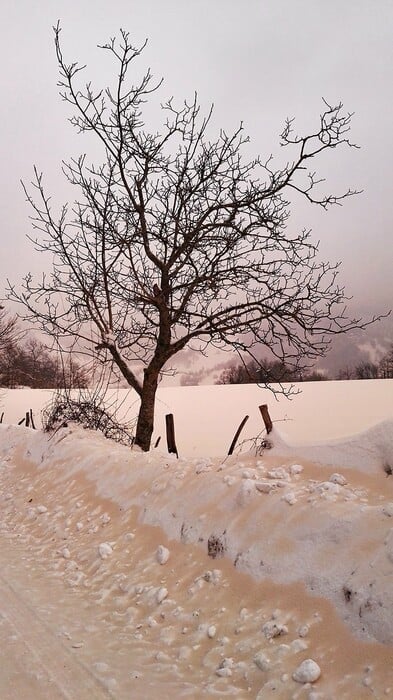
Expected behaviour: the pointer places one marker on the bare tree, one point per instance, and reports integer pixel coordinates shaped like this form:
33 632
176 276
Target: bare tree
366 370
10 333
386 365
177 240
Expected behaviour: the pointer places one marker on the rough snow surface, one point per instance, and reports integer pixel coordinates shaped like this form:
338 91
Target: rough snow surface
126 574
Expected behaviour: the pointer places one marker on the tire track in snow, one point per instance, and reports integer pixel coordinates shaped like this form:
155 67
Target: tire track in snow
60 673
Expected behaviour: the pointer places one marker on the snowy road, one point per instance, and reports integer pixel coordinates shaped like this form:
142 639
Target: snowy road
35 663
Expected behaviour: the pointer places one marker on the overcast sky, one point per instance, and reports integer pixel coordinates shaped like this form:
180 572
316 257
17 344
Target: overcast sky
259 61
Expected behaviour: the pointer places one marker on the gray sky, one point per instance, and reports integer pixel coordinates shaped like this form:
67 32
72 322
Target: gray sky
258 61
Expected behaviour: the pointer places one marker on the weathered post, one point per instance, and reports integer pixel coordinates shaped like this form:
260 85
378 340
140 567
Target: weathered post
170 434
238 431
266 418
31 419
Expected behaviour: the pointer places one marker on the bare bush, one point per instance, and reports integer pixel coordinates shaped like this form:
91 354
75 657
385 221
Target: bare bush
88 411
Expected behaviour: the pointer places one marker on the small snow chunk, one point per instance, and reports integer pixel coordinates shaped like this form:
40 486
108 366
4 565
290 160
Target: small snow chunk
303 631
273 629
388 510
213 577
299 645
338 479
229 480
224 672
295 469
65 553
161 594
79 526
225 668
289 498
162 554
105 518
283 649
265 486
211 631
42 509
246 492
105 550
262 661
278 473
247 474
203 465
307 672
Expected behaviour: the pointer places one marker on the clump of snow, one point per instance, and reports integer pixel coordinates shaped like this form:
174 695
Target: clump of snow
307 672
265 486
162 554
42 509
338 479
273 629
161 594
105 550
262 661
278 473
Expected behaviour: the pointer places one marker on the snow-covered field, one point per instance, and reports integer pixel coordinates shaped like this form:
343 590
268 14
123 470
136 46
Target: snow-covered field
260 575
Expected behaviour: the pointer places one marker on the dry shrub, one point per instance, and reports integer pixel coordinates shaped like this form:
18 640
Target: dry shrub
90 413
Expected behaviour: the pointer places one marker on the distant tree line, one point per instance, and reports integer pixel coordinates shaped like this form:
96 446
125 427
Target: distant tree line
25 361
266 372
370 370
274 371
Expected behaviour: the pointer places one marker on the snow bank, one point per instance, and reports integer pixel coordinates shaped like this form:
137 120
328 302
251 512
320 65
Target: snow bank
274 517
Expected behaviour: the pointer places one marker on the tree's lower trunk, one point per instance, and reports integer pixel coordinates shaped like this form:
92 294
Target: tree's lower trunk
145 423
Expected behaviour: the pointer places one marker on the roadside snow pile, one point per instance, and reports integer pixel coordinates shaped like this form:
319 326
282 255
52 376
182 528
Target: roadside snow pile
371 450
272 517
145 614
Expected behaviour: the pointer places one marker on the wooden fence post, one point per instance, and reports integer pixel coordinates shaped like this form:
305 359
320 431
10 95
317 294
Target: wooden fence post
238 431
31 419
170 434
266 418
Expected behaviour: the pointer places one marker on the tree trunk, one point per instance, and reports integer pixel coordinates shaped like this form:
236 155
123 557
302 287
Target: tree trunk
145 424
